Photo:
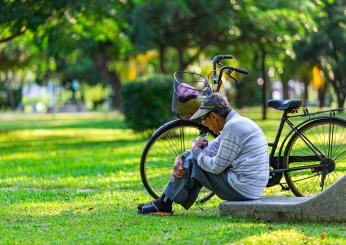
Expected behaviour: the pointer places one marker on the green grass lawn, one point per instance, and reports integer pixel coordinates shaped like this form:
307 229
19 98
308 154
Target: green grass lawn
74 178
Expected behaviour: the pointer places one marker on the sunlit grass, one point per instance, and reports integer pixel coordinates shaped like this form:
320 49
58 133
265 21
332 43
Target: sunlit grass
74 178
110 217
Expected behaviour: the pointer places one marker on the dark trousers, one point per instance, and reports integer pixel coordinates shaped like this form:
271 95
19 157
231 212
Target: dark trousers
185 190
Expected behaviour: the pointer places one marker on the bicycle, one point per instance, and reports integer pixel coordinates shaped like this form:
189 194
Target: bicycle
311 157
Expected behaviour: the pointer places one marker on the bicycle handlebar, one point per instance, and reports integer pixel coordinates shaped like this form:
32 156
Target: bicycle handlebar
216 60
218 81
240 70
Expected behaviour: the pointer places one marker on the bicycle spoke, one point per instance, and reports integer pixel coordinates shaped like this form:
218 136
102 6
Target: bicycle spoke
317 142
159 160
320 136
341 145
334 143
172 145
342 153
331 135
310 145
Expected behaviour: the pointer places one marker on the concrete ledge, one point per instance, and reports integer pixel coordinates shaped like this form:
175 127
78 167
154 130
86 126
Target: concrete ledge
329 205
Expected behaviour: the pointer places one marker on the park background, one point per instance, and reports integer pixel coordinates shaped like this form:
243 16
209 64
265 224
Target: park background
83 84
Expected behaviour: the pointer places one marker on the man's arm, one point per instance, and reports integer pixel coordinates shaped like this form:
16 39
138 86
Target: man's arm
226 154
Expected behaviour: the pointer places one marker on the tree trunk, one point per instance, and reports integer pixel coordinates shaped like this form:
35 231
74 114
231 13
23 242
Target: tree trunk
341 100
306 81
162 50
306 95
74 99
114 81
10 79
322 91
340 93
321 96
182 65
340 90
264 87
111 77
285 90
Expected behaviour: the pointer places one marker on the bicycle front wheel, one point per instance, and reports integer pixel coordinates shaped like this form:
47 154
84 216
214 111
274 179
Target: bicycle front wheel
169 141
327 149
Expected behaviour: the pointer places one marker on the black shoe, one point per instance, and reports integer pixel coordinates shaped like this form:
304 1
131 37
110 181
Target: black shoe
152 208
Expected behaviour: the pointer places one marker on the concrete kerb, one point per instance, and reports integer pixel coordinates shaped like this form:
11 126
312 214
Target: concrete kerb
328 205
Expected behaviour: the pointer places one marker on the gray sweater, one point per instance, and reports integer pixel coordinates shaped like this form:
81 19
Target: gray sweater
241 150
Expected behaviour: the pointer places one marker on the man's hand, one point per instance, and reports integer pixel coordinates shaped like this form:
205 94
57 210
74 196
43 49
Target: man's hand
199 143
178 171
202 142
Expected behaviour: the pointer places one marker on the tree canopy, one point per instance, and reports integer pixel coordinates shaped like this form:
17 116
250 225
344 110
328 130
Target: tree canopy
325 46
98 41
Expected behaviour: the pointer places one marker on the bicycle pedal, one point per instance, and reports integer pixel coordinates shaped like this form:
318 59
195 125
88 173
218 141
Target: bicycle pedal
284 188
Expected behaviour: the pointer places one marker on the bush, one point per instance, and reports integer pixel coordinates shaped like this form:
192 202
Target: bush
147 101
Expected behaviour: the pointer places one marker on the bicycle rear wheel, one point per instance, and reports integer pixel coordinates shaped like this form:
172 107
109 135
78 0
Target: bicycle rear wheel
328 136
158 156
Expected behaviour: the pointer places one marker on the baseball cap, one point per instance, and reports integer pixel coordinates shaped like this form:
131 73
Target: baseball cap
213 103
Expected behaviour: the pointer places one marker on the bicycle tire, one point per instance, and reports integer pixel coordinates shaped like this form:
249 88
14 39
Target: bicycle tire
152 154
306 182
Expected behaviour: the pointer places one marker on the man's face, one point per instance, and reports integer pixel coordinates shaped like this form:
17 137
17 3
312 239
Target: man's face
214 122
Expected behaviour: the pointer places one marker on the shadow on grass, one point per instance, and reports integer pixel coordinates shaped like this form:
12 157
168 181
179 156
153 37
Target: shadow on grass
49 172
58 143
12 125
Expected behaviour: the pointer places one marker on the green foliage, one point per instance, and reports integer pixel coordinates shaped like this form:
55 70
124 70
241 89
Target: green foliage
325 47
88 44
83 70
147 101
81 40
181 25
18 17
184 22
93 41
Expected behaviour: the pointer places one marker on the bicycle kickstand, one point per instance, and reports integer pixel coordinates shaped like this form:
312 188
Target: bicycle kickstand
323 177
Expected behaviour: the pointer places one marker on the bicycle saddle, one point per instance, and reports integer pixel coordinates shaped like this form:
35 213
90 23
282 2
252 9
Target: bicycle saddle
284 104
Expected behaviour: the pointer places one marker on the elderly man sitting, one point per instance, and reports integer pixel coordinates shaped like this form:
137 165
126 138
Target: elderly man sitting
235 165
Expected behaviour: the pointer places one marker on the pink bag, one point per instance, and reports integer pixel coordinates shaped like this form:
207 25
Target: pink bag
185 92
